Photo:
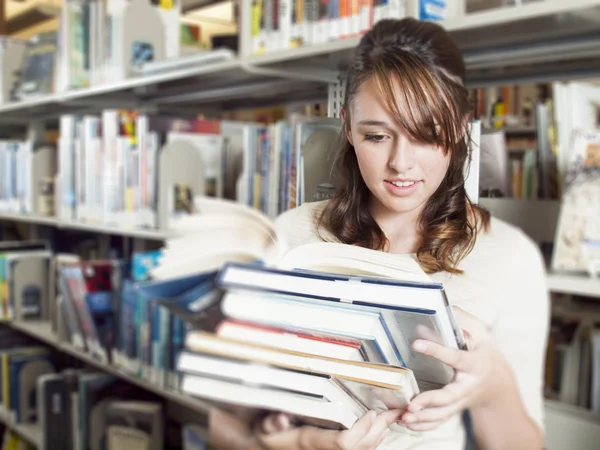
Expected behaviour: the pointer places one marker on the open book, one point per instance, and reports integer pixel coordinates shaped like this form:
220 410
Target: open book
342 313
225 231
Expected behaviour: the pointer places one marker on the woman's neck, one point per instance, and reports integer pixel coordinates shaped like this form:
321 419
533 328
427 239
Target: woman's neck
401 229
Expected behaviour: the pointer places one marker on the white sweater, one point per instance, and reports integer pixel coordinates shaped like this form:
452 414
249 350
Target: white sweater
504 284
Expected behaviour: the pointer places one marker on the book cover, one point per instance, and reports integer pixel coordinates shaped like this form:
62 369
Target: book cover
134 423
24 370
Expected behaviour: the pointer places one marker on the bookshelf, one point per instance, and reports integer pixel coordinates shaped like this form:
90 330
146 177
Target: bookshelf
574 284
42 331
483 36
569 427
138 233
492 43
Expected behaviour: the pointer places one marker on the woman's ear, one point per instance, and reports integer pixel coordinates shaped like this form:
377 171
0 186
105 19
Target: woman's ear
346 125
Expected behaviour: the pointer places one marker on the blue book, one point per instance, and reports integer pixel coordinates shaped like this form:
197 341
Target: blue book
24 371
171 308
194 437
189 297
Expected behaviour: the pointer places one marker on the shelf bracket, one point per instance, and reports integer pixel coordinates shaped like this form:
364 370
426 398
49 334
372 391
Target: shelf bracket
319 75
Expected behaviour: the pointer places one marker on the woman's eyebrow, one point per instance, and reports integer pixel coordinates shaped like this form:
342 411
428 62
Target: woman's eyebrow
373 123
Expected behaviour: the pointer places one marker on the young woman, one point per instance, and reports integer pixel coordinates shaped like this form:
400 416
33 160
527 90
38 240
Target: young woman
401 190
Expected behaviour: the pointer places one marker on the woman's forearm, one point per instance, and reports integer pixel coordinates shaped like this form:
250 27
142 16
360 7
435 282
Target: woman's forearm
504 424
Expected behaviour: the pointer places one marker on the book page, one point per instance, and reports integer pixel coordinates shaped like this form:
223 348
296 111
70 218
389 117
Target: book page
352 260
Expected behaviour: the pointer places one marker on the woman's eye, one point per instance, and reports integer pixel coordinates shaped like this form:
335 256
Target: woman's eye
375 137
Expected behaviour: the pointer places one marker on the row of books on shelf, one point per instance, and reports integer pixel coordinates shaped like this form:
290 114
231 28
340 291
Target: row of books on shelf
94 306
280 25
507 107
97 42
74 407
225 313
128 169
525 175
573 358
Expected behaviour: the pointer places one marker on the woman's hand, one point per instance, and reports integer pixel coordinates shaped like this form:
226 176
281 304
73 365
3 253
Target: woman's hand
482 374
367 433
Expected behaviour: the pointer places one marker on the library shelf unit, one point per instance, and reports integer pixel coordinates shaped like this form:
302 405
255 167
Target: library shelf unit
41 331
540 41
540 32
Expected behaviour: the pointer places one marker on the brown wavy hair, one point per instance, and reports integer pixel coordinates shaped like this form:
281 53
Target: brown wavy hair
419 70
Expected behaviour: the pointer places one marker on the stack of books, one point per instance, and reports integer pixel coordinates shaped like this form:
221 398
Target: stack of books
322 331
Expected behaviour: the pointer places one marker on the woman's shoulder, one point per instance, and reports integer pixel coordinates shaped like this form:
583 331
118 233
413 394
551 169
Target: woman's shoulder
504 250
505 267
299 225
505 241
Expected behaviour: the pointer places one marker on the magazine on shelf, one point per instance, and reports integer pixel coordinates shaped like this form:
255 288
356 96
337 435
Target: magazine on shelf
347 314
577 243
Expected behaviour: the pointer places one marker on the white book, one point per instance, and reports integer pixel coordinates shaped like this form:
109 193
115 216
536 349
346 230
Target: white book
388 386
315 410
285 23
292 313
267 376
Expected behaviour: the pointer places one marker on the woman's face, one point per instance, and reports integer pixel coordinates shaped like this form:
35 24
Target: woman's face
400 173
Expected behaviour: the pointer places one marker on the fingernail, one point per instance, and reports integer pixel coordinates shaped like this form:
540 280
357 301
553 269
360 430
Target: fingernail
410 418
413 407
283 422
419 346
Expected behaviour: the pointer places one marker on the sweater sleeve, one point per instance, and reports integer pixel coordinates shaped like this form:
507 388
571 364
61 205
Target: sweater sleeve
522 321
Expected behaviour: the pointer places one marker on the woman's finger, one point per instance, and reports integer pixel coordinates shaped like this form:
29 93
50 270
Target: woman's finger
360 428
275 423
450 394
425 426
431 414
379 428
428 334
457 359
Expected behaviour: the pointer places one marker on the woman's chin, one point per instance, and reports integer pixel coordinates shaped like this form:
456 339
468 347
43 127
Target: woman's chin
397 205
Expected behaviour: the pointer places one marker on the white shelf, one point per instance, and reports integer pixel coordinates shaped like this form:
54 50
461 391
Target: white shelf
95 228
41 220
105 229
42 331
574 284
570 427
128 85
32 433
526 11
